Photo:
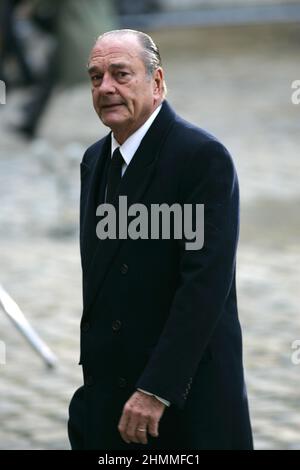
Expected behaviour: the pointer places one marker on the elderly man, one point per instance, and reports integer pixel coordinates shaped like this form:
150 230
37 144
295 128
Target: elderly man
161 346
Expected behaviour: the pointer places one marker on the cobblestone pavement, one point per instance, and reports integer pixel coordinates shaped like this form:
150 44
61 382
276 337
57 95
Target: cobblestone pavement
237 84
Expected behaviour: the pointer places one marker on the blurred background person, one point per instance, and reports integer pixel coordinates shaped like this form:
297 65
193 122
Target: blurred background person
67 27
45 16
11 44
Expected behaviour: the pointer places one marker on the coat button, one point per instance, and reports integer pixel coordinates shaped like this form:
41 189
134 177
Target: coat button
124 268
85 326
89 380
122 382
116 325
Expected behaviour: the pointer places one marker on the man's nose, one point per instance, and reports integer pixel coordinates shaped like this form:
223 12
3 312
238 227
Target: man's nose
107 85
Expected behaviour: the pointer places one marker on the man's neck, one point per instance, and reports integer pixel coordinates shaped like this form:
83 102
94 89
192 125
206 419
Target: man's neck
122 135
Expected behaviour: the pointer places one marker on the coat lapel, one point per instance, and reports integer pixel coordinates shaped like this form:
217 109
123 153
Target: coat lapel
134 183
92 193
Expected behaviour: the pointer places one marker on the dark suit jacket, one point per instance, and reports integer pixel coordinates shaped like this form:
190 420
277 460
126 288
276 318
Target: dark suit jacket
155 315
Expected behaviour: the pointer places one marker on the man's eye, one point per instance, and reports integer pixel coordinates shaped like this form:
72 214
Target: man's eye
122 74
95 78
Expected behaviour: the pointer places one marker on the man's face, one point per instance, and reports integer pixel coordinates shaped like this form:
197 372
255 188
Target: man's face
124 96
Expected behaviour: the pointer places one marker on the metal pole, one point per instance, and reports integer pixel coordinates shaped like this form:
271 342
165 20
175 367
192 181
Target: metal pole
19 320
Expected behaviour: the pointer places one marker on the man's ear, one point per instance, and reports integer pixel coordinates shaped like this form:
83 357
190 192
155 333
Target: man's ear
158 79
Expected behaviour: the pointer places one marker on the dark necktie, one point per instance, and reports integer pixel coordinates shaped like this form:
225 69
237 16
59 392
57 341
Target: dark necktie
114 175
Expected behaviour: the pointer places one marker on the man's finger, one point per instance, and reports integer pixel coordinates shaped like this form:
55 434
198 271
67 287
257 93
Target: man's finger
141 432
153 426
132 426
122 426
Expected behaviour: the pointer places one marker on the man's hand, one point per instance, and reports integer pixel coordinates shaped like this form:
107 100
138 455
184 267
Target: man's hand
141 414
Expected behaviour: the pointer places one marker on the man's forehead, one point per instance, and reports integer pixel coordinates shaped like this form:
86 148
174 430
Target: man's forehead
116 46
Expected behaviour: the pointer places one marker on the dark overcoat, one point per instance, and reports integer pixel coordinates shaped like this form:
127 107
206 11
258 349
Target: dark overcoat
156 315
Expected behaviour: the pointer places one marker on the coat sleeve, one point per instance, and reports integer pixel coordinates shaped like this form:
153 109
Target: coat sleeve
206 275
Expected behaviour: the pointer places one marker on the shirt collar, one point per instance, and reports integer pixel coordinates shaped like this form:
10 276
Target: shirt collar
130 146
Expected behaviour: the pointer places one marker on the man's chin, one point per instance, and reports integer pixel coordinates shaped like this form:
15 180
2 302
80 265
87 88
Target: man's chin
113 121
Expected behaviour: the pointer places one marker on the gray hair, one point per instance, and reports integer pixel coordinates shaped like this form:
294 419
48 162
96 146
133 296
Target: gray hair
150 54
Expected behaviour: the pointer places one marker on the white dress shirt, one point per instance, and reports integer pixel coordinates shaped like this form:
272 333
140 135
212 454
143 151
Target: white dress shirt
128 149
130 146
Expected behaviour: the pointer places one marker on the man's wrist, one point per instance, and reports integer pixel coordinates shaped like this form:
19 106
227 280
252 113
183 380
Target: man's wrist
162 400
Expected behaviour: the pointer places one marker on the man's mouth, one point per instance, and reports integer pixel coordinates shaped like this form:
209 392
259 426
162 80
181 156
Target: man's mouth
112 105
